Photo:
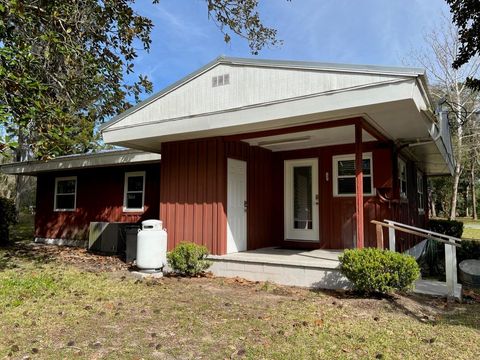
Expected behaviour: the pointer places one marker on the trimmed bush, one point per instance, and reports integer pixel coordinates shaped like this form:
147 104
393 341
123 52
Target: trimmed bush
188 259
8 216
379 271
448 227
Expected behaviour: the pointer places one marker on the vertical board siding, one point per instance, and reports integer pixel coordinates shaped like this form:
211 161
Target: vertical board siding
193 193
337 214
406 210
100 194
260 194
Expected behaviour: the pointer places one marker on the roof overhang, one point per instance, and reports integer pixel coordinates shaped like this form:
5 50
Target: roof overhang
392 100
72 162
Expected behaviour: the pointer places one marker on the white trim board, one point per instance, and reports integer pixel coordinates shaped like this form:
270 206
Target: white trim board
113 158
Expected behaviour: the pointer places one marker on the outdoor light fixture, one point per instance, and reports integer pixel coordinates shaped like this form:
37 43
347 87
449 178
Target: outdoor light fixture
284 141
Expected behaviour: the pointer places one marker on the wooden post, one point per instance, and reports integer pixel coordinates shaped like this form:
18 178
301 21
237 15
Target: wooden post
451 269
391 237
359 184
379 230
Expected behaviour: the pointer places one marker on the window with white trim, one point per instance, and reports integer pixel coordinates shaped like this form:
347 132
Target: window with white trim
344 175
402 178
65 193
420 193
134 193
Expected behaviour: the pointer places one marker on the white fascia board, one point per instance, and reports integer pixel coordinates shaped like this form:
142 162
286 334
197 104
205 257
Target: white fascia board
79 162
346 102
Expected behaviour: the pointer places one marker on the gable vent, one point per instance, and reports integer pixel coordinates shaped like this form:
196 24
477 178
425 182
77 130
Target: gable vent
221 80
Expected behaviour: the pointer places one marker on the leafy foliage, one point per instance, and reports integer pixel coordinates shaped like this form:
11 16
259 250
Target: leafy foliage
63 66
243 19
8 216
372 270
448 227
466 15
188 259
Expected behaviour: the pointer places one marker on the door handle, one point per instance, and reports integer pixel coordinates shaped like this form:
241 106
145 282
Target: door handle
245 205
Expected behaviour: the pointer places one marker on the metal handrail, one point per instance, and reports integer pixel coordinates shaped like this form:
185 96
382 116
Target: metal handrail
451 244
424 231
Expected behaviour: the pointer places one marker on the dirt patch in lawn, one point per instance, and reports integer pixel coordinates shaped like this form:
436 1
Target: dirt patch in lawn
78 257
58 303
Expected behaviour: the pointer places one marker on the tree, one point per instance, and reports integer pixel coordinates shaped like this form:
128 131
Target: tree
449 83
466 16
63 66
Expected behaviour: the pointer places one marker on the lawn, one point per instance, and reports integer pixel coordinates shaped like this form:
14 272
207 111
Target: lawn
58 303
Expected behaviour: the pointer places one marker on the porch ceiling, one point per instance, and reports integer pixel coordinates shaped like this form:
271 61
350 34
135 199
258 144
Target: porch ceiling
308 139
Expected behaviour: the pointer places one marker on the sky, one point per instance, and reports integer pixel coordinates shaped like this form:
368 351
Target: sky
375 32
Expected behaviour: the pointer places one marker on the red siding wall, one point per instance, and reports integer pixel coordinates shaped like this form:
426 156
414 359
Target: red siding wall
337 214
406 210
193 193
260 212
100 194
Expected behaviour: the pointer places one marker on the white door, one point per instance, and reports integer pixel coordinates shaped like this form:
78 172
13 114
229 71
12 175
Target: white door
301 200
236 206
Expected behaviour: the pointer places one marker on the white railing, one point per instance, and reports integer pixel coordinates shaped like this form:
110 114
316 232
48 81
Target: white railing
451 243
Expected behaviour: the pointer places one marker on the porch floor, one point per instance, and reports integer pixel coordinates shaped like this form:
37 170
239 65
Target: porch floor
319 258
308 268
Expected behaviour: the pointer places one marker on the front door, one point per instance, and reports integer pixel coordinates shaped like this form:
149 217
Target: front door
236 206
301 200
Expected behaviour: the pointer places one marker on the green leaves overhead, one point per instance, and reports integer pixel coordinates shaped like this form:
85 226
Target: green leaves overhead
242 18
466 15
64 66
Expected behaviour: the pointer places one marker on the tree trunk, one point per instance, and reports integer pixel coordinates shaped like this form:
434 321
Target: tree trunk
431 204
21 154
453 202
473 189
465 197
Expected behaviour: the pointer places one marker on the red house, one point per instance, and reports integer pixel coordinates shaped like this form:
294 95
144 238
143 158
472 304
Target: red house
258 153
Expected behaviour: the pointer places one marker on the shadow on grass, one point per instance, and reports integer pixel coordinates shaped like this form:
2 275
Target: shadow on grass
422 308
10 255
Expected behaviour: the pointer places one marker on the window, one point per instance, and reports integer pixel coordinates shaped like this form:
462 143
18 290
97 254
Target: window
221 80
402 178
420 194
134 195
65 193
344 175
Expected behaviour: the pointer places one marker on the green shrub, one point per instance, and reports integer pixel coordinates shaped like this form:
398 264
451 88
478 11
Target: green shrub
372 270
8 216
448 227
470 249
188 259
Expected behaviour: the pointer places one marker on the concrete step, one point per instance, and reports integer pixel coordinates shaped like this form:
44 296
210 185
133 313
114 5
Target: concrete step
282 274
436 288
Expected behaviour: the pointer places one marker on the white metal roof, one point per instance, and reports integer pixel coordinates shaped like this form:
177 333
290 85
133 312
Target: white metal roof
79 161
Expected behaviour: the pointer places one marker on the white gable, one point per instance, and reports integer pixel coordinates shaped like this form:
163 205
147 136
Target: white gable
248 86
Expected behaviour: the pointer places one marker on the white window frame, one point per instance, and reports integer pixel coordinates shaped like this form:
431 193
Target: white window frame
125 188
402 163
65 178
336 159
420 192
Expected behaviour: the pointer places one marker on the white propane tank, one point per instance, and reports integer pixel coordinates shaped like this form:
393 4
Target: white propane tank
151 246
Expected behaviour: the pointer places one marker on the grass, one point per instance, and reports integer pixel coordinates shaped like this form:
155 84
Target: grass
24 229
60 303
469 233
